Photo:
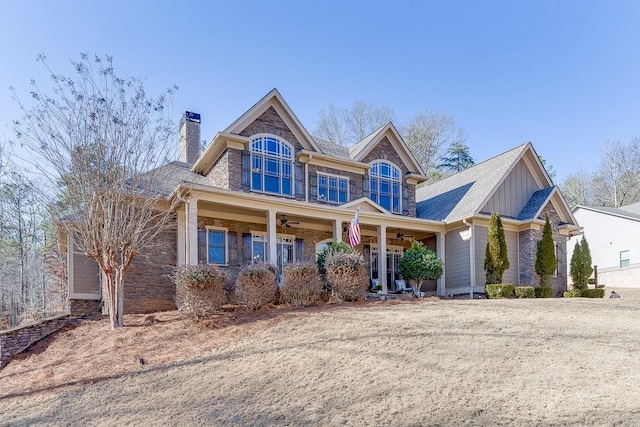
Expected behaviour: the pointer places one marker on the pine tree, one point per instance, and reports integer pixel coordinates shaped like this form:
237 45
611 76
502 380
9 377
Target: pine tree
546 262
581 268
457 158
496 261
586 255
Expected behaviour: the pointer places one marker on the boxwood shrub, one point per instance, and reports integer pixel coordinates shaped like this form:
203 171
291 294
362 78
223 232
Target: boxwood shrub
544 292
502 290
593 293
524 292
572 293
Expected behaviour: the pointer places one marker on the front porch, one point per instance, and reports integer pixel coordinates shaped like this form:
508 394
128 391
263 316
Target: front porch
232 230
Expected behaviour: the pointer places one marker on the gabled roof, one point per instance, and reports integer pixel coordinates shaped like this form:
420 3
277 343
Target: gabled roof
627 212
360 150
469 189
332 149
367 204
275 100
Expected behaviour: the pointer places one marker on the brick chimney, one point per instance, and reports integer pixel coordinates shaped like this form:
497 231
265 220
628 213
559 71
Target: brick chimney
189 137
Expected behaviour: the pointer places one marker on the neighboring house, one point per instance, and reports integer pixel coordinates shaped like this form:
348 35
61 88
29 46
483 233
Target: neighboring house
613 236
264 189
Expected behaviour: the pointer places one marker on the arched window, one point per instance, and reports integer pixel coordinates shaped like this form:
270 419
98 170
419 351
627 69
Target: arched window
384 182
271 165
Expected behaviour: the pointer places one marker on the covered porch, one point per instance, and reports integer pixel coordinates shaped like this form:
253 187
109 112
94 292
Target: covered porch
233 229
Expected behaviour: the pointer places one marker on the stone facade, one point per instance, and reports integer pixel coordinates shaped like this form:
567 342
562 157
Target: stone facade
219 176
356 181
17 340
148 287
528 242
80 307
270 122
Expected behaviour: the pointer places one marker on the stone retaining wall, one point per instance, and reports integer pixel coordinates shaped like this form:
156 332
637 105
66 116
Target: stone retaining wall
17 340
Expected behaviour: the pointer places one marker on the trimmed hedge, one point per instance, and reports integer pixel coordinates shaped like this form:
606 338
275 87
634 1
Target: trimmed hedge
200 289
502 290
256 285
572 293
301 285
524 292
544 292
593 293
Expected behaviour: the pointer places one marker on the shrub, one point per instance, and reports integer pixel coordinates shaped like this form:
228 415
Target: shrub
347 275
200 289
546 262
591 280
524 292
256 285
580 267
301 284
544 292
503 290
496 261
331 248
419 263
593 293
572 293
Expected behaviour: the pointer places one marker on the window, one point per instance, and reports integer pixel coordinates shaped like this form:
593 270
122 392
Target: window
271 166
217 245
385 186
624 259
394 253
285 248
333 188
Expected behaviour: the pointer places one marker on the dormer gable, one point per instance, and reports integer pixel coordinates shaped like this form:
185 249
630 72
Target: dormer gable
387 132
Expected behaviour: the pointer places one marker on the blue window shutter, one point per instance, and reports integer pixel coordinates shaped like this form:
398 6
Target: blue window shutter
247 256
299 178
202 245
246 169
299 249
232 237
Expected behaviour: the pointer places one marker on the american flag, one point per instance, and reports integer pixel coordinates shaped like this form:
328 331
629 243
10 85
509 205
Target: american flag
354 231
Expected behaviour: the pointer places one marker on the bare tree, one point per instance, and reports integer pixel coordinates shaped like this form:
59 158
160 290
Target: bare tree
347 126
577 189
102 140
427 133
617 182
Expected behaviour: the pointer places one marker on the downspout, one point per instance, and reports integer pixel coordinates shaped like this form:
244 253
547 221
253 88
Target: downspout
472 258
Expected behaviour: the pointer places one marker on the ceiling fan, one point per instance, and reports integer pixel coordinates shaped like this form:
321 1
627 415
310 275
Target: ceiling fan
401 236
284 222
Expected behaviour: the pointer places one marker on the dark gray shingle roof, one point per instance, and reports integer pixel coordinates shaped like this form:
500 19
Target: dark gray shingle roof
439 207
535 203
332 149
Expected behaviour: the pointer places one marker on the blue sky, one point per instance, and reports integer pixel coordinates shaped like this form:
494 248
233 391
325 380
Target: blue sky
562 74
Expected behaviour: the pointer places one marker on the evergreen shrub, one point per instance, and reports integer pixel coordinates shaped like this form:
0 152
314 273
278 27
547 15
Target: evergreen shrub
502 290
524 292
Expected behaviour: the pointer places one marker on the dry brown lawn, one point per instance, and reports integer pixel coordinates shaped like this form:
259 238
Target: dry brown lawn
453 362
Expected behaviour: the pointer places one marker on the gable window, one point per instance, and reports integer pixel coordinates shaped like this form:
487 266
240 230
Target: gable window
624 259
333 188
385 185
271 166
217 245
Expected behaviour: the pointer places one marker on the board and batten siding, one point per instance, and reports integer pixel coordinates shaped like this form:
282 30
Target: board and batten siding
511 237
457 258
514 192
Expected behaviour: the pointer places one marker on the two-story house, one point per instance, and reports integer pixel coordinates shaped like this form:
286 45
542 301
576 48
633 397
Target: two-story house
264 189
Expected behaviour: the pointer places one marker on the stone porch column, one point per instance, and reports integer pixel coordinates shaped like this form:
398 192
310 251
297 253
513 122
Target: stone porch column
272 236
337 230
440 249
191 223
382 258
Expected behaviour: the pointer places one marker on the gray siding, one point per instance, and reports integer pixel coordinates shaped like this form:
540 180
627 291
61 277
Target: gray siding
457 260
513 193
511 237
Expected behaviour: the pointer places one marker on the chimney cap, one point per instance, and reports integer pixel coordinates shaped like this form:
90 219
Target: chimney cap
191 116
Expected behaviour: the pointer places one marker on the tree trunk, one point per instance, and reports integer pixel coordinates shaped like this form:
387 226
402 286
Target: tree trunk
115 293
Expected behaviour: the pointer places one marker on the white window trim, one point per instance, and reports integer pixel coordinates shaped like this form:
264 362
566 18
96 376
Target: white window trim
226 243
291 239
263 154
628 258
332 175
400 181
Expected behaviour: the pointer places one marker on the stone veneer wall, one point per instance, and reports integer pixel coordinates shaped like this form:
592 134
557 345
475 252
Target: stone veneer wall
385 151
219 176
148 287
355 183
85 307
17 340
528 247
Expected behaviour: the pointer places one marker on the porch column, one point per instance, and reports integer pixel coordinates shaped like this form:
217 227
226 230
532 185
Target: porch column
441 289
337 230
191 208
182 232
382 258
272 237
